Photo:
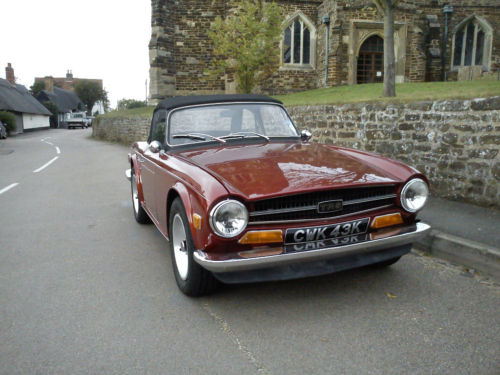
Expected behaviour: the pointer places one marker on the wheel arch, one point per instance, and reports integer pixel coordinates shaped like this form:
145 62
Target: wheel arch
134 166
179 190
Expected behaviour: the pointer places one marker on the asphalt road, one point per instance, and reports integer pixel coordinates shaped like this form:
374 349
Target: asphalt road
86 290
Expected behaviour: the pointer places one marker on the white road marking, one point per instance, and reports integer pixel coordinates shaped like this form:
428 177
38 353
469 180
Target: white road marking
9 187
46 165
58 150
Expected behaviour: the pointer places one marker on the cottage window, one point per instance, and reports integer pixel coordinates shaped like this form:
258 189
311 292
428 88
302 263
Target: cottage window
298 42
472 43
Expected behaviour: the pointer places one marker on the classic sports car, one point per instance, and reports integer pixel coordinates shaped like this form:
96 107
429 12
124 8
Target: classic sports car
243 196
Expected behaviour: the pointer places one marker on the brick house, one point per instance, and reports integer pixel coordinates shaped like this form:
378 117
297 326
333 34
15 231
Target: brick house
180 50
66 83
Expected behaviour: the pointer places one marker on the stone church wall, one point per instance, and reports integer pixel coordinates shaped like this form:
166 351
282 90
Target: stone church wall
180 51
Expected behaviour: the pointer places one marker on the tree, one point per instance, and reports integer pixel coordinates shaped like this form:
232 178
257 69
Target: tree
37 87
387 7
246 42
89 93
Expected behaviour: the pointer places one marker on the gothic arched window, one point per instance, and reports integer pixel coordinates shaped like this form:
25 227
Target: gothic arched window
472 43
299 42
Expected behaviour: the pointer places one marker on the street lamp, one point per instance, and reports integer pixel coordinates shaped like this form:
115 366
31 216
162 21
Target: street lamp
447 10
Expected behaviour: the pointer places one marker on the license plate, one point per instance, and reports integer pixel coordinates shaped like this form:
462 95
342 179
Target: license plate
326 232
318 245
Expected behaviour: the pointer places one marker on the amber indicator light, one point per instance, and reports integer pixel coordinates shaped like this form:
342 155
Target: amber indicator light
261 237
197 221
387 221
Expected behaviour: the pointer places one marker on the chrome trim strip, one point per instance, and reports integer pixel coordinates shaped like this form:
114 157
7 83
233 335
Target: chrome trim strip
128 174
311 208
282 211
365 200
242 264
318 218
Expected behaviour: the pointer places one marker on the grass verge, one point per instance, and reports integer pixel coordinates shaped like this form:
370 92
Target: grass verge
406 92
136 112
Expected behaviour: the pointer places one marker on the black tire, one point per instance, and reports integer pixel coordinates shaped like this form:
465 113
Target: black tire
139 213
192 279
386 263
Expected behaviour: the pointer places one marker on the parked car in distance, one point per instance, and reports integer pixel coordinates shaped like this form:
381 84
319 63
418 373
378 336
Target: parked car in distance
243 196
3 131
89 120
77 120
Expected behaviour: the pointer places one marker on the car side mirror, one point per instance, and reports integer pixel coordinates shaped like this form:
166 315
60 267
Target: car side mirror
155 147
305 135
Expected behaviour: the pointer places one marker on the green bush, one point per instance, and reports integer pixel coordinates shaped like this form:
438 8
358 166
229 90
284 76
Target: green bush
9 120
131 104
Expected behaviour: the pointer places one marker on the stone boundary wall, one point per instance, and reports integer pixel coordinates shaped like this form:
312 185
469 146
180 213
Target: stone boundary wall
455 143
126 130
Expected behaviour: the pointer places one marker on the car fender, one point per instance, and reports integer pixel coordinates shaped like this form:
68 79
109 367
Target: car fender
193 203
181 190
135 165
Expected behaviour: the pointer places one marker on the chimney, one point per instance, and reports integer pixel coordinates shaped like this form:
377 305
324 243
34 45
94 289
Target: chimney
49 84
69 75
9 74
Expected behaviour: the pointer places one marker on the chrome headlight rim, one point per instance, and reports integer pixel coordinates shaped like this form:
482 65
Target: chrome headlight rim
407 186
213 215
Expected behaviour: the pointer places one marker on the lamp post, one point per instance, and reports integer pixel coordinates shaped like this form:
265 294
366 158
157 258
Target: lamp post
447 10
326 21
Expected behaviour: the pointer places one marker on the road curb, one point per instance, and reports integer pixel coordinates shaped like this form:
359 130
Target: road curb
480 257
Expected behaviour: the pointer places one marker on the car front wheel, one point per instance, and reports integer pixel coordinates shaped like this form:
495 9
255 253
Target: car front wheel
140 215
192 279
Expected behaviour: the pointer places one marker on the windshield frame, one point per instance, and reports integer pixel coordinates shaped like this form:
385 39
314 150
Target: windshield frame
212 141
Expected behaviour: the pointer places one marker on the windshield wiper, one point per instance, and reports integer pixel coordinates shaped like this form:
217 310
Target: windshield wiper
245 134
199 137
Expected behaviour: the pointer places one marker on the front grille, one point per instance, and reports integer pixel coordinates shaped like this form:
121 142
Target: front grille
305 206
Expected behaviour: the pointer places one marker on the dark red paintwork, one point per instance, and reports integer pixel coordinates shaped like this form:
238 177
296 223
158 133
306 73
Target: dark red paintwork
204 176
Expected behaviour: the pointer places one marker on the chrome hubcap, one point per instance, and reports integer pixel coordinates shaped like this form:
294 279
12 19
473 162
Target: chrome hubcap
180 247
135 194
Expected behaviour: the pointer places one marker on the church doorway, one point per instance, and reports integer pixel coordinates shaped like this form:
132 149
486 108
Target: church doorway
371 61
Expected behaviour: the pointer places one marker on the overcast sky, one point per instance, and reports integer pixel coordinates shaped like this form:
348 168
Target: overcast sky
102 39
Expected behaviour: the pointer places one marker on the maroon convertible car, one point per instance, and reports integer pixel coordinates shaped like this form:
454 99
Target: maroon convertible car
243 196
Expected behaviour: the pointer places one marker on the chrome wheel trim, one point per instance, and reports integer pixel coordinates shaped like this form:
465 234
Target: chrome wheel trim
135 194
179 245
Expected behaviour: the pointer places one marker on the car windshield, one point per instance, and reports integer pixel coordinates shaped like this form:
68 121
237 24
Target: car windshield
223 122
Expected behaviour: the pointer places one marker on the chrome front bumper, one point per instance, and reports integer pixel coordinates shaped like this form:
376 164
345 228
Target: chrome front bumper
245 264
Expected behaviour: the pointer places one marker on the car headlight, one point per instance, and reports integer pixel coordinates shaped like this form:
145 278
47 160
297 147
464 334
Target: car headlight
229 218
414 195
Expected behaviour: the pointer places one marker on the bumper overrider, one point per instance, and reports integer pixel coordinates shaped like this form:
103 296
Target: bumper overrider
373 244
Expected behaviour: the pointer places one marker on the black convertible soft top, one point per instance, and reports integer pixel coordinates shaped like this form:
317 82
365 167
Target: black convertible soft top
181 101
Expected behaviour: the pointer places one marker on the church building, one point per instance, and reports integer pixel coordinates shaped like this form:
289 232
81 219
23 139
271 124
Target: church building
328 43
